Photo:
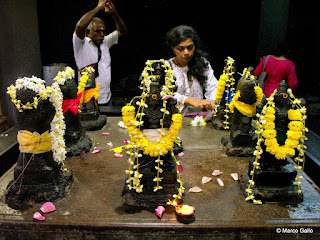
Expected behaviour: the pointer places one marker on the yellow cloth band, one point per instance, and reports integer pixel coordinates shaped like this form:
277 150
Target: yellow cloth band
90 93
34 142
246 109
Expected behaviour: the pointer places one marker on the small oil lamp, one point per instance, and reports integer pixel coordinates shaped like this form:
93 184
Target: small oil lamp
184 210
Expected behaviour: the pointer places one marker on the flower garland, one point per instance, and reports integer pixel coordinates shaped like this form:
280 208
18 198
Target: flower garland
83 82
55 97
63 76
267 134
139 142
226 80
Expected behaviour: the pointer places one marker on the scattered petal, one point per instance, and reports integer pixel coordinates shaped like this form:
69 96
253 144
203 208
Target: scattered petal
195 189
180 168
181 154
220 182
126 141
235 176
105 134
47 207
110 144
118 155
167 97
96 151
216 173
159 211
38 216
206 179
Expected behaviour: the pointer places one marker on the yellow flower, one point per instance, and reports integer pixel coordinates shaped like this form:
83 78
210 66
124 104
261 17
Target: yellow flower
294 115
259 94
295 135
291 143
269 133
271 110
295 126
281 153
269 117
269 125
117 150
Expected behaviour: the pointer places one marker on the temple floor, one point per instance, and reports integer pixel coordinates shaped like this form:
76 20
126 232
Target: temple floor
93 209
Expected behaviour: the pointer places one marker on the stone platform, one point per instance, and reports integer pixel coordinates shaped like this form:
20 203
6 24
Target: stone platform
94 208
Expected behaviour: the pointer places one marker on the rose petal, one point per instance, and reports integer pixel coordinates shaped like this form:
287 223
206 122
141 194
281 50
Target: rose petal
167 97
110 144
195 189
216 173
38 216
206 179
181 154
180 168
220 182
235 176
47 207
126 141
159 211
118 155
96 151
105 134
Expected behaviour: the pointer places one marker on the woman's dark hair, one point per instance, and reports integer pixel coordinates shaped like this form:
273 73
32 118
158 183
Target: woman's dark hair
283 49
198 64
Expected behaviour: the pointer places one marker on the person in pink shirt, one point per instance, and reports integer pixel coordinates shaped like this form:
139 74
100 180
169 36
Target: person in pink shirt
278 68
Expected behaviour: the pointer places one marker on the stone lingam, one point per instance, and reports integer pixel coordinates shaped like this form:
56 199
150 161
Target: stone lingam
153 124
241 141
76 139
281 133
38 175
90 115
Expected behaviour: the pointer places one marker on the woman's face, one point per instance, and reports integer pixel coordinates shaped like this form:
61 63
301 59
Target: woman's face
184 51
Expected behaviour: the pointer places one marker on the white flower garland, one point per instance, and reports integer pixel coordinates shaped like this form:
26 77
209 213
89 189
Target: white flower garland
55 97
62 76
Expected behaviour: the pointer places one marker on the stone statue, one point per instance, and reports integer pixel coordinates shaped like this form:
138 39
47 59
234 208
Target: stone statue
157 171
38 175
241 141
90 115
76 139
274 179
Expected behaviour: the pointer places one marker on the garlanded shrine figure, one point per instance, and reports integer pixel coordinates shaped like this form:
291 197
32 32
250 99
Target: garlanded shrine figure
281 133
39 174
90 115
76 139
241 141
153 124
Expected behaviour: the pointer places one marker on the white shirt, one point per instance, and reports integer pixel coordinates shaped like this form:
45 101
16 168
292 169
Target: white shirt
86 53
193 89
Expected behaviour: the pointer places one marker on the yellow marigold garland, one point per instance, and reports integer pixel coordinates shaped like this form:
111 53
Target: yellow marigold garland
267 134
225 85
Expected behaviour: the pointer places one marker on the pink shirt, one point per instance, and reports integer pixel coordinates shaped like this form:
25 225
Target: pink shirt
277 70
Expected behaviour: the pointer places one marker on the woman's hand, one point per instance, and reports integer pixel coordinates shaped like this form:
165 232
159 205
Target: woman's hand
198 103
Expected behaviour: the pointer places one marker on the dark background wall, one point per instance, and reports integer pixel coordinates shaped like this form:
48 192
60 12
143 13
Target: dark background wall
38 33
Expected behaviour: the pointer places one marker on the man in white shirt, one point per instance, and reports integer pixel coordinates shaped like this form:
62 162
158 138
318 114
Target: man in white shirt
91 46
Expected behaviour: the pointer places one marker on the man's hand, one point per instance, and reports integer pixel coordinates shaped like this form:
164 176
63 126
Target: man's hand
102 4
109 7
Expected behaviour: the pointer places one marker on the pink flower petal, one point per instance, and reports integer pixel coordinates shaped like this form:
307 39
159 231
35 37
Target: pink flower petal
195 190
96 151
38 216
105 134
180 168
118 155
126 141
220 182
159 211
216 173
47 207
234 176
167 97
181 154
206 179
110 144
